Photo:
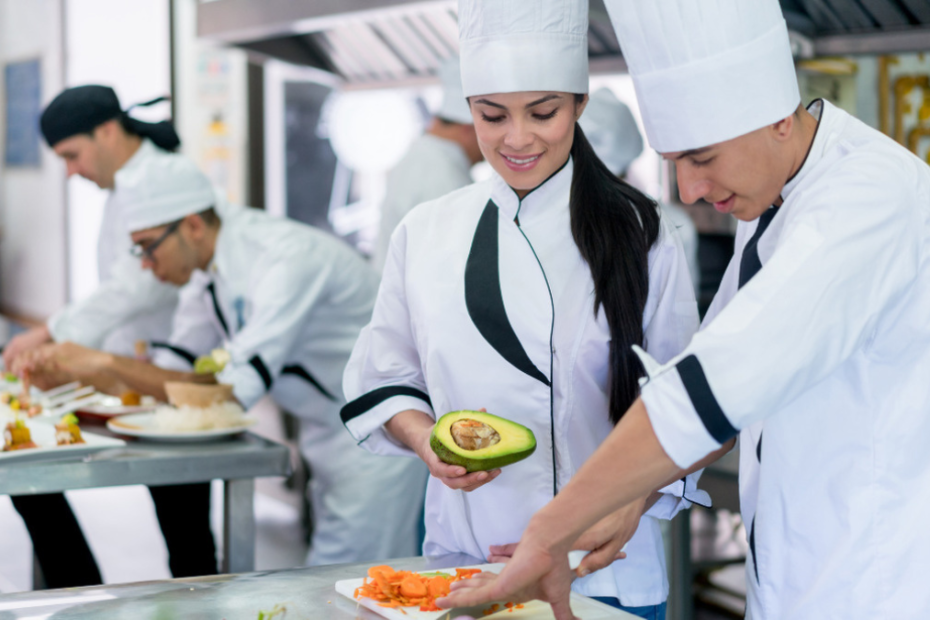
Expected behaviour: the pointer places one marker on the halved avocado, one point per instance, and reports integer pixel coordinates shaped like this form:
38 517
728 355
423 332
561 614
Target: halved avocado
480 441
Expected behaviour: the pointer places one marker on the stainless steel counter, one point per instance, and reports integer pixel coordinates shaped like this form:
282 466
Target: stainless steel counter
236 461
307 593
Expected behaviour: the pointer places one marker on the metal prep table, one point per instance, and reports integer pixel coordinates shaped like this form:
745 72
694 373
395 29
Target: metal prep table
307 593
237 462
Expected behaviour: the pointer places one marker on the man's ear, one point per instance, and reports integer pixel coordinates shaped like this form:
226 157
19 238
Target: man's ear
784 129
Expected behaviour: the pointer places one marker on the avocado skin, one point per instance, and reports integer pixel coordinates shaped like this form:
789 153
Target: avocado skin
483 464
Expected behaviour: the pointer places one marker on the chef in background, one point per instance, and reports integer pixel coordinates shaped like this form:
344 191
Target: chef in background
815 351
88 129
613 133
286 301
437 162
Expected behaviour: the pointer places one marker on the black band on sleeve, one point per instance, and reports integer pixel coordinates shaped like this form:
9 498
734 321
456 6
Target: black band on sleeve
695 382
372 399
182 353
299 371
262 371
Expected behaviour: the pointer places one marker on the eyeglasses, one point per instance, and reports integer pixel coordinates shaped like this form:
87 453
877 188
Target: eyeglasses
140 251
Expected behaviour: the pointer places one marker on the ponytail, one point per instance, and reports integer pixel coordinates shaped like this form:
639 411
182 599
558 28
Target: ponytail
614 226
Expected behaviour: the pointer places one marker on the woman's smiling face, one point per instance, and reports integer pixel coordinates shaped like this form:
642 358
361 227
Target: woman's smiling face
526 136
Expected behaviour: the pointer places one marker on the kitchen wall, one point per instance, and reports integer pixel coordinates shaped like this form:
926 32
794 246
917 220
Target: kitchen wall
33 244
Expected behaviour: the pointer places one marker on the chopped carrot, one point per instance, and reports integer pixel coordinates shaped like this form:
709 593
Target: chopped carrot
398 589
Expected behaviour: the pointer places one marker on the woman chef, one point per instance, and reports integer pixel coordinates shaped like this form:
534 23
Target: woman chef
819 353
523 294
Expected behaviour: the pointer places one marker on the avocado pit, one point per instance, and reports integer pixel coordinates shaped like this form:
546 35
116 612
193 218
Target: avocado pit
471 434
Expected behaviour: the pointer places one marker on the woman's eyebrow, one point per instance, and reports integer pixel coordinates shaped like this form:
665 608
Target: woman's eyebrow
491 103
543 100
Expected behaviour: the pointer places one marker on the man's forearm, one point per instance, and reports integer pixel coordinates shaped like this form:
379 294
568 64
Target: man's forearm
147 378
629 465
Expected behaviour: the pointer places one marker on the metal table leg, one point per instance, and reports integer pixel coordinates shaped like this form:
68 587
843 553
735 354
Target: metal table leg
680 597
238 526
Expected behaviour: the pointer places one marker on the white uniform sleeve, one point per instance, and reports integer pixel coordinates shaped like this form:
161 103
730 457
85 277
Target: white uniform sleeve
130 292
847 253
670 320
283 300
193 332
384 375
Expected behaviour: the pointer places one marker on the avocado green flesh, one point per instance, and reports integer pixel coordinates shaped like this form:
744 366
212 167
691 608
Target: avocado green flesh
516 442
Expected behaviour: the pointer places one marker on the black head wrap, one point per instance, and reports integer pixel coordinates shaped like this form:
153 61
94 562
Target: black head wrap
83 108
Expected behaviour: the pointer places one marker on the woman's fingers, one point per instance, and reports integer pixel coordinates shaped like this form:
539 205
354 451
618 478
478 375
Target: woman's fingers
503 550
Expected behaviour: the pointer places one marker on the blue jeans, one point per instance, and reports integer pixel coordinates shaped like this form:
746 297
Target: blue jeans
650 612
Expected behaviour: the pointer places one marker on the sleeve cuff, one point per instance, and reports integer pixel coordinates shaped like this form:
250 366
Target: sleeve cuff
366 416
678 496
681 431
248 385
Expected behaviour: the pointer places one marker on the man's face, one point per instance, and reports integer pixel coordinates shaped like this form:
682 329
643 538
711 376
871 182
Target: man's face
167 252
89 156
743 176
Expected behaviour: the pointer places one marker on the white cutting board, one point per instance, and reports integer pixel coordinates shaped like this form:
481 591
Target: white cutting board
583 607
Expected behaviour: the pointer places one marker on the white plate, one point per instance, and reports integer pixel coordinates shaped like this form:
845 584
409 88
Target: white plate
582 606
142 425
43 435
112 406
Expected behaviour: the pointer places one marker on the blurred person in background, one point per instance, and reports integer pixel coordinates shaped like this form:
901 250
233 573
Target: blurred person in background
286 302
97 139
437 163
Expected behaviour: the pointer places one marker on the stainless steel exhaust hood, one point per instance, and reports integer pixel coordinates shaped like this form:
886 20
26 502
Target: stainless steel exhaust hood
380 43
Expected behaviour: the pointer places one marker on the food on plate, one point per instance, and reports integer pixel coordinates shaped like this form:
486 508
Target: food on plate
393 588
10 377
186 419
480 441
213 363
67 432
20 403
17 436
278 611
131 398
197 394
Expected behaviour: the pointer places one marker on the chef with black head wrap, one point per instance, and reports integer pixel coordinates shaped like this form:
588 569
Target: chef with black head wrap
89 130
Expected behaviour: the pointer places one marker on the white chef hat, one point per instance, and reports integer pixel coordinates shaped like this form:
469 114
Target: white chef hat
609 126
706 72
454 105
161 189
509 46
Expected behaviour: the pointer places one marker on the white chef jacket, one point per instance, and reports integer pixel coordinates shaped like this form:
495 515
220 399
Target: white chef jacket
477 311
287 302
822 361
130 303
432 167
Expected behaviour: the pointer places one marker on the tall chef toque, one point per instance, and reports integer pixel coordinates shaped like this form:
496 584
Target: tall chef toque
162 190
509 46
84 108
706 72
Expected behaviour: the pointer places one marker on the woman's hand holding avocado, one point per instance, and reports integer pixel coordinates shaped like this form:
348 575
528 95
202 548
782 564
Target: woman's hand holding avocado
413 429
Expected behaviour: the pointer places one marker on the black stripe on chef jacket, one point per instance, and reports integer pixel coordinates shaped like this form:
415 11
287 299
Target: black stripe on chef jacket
484 301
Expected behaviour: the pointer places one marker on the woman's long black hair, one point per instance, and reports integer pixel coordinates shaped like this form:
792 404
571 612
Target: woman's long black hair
614 226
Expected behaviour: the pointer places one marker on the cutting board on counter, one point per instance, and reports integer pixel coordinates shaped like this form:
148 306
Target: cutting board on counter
582 606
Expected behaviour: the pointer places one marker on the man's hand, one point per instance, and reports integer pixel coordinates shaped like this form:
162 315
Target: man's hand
606 538
24 342
53 364
534 572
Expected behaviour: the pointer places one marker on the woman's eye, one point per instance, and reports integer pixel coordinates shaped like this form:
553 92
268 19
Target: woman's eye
491 119
545 117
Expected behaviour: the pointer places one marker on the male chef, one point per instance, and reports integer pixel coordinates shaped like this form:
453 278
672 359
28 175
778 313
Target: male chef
87 127
287 302
816 351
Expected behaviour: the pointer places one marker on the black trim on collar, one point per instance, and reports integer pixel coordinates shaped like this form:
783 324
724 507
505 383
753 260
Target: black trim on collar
752 547
809 148
216 308
485 301
182 353
684 495
695 382
759 448
548 178
368 401
262 371
303 373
